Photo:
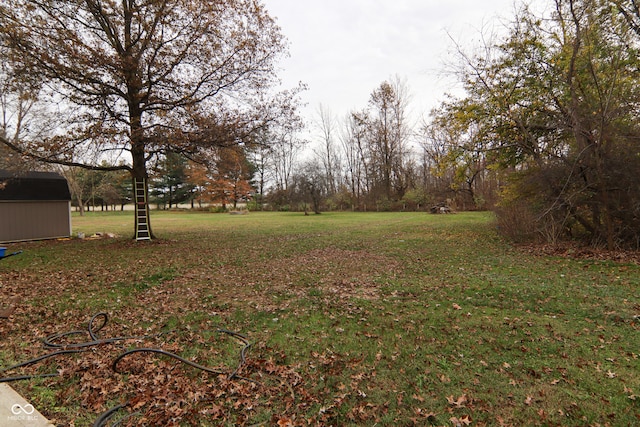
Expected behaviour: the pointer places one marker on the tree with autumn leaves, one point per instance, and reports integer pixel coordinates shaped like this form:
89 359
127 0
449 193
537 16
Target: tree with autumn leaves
552 110
132 80
225 179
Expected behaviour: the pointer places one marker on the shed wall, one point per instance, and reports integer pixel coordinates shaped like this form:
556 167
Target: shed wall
34 220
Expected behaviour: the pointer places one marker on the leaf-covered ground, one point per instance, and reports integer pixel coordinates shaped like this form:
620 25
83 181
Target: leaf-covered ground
353 319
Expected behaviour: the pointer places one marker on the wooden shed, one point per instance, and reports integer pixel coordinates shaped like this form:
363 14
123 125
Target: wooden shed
34 206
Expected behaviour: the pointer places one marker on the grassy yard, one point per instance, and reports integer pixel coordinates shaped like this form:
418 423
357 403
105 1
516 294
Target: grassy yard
384 319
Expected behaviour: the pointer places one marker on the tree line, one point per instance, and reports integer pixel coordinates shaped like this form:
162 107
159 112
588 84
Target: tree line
174 181
367 162
377 159
545 132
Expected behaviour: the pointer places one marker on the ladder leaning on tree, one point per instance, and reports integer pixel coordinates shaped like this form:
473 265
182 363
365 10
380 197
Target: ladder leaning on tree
142 215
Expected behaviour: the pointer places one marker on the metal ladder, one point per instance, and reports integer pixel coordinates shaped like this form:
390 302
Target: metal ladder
142 215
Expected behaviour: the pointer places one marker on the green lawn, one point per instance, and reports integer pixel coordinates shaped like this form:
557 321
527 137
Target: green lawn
368 319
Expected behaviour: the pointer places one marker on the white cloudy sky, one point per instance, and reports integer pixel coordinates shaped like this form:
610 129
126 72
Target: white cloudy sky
344 49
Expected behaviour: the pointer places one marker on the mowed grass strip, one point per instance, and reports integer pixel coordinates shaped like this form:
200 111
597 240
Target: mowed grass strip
355 319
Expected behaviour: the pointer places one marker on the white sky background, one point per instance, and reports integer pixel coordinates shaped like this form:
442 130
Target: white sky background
344 49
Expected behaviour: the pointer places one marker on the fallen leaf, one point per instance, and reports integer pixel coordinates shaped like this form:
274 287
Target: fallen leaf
418 398
459 402
459 422
456 306
466 420
285 422
630 393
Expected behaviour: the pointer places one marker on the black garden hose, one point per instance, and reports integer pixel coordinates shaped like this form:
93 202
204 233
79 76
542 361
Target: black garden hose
34 361
92 330
106 416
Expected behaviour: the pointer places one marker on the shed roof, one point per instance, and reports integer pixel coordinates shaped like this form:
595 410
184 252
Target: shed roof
33 186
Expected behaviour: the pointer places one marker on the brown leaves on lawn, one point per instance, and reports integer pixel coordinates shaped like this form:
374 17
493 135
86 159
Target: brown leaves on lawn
340 273
574 250
462 421
162 391
303 381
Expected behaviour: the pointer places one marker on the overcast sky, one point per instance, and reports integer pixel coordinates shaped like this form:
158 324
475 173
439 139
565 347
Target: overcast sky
344 49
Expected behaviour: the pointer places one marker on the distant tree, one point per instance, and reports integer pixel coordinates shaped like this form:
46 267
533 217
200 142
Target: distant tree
114 189
356 159
416 199
436 138
388 137
169 184
310 186
97 188
260 159
326 152
284 156
232 177
457 159
225 177
81 184
144 77
197 175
